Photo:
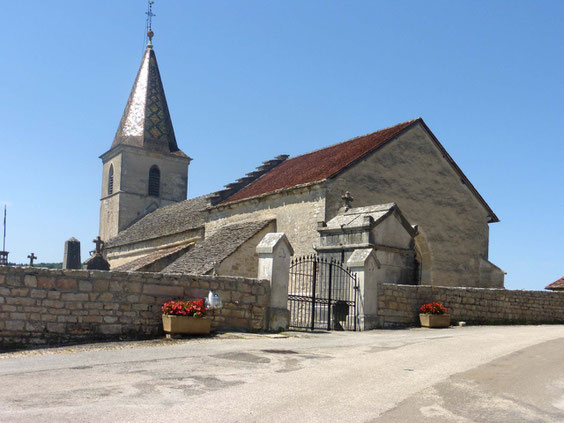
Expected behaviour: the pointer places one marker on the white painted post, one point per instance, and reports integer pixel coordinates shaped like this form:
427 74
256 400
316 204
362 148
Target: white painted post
364 264
275 253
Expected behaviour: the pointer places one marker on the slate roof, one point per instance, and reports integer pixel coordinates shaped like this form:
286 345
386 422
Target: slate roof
214 249
167 220
328 162
146 121
138 264
556 285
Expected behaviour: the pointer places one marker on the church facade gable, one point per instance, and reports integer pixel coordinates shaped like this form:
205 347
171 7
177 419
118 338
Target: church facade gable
412 171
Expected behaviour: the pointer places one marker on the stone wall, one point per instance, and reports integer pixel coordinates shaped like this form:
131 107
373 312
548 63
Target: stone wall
244 261
296 212
130 199
41 306
398 305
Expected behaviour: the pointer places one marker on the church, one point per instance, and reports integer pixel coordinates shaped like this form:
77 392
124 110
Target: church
400 179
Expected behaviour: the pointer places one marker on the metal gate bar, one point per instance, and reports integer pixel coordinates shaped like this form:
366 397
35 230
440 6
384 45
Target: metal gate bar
322 294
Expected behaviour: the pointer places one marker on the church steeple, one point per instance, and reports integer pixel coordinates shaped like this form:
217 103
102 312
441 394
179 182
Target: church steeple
146 121
144 168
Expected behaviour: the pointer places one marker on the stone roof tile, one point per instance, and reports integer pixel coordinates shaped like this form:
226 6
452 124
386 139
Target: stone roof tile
138 264
167 220
214 249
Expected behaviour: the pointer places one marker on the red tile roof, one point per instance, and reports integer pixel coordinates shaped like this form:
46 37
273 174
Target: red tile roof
556 285
320 164
330 161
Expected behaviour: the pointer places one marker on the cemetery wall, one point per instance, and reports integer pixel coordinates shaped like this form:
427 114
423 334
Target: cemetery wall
42 306
398 305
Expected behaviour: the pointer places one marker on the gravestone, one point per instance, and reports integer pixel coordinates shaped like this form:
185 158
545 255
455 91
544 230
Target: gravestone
71 259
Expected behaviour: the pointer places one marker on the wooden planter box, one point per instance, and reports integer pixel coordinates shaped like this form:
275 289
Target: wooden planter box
186 325
435 320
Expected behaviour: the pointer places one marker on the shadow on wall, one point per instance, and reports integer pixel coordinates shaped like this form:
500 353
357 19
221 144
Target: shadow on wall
423 259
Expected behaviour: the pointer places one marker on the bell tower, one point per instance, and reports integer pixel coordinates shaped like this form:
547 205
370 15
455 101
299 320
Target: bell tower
144 169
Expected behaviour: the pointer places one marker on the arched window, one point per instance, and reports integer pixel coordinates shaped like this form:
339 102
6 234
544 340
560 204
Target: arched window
154 181
111 180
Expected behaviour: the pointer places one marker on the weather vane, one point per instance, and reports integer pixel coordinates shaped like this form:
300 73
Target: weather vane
149 22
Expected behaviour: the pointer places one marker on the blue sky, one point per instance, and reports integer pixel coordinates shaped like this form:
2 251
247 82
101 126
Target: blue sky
248 80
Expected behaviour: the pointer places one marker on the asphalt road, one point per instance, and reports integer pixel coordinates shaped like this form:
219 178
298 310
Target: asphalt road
470 374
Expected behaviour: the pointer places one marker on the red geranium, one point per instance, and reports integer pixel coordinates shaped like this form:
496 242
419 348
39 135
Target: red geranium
194 308
433 308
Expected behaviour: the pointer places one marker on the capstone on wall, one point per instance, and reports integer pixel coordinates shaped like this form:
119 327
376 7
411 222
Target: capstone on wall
453 225
41 306
296 212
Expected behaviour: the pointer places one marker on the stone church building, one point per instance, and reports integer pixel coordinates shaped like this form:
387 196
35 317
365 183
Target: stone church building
401 174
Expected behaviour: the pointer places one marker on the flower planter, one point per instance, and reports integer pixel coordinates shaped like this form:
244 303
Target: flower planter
186 325
435 320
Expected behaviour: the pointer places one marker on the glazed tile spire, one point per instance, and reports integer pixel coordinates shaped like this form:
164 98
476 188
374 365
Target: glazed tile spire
146 120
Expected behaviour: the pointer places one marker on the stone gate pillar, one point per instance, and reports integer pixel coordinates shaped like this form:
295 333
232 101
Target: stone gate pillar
275 253
364 264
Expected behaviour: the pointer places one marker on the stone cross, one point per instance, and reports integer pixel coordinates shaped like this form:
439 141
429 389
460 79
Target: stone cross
31 257
99 244
348 199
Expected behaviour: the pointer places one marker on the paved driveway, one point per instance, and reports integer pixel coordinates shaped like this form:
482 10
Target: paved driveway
481 374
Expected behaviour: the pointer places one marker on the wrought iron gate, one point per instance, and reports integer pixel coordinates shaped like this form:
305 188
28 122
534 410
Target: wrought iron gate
322 294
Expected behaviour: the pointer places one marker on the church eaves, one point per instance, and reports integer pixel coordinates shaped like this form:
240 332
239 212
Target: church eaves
146 121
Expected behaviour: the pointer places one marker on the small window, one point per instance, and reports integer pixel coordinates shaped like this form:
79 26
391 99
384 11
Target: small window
154 181
111 180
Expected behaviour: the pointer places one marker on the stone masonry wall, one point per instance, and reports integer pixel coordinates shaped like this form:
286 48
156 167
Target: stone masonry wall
244 261
398 305
411 172
296 212
41 306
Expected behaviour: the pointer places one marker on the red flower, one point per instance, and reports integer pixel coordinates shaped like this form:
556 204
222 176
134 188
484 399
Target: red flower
433 308
194 308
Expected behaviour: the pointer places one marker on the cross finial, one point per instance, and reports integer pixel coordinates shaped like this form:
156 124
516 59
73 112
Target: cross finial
31 257
149 28
99 244
348 199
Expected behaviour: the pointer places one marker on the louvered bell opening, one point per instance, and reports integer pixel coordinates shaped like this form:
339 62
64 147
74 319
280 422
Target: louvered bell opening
154 181
111 180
